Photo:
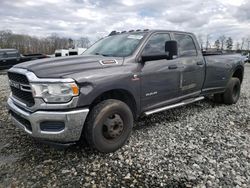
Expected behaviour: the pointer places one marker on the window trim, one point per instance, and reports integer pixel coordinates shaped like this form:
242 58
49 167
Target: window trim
191 36
153 36
138 57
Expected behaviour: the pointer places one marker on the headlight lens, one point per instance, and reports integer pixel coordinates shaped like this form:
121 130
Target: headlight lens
55 92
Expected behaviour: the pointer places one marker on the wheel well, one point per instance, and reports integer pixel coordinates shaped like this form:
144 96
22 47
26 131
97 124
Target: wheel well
118 94
238 74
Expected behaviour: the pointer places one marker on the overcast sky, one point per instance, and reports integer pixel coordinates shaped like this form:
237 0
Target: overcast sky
96 18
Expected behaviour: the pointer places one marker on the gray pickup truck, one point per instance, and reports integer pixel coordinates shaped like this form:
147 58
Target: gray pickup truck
98 95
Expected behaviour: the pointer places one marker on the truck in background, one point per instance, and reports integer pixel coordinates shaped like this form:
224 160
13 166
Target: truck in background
11 57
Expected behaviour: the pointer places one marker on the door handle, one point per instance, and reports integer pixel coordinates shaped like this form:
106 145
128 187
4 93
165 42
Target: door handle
172 67
200 63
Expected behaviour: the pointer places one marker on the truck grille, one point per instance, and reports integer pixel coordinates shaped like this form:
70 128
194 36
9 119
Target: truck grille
22 79
21 89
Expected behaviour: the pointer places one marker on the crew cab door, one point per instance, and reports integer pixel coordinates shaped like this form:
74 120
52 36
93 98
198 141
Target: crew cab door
159 78
192 73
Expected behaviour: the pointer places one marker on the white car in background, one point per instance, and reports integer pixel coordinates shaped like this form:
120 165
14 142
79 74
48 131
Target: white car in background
76 51
61 53
247 58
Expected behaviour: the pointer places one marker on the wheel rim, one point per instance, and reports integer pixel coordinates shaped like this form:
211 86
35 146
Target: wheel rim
113 127
235 91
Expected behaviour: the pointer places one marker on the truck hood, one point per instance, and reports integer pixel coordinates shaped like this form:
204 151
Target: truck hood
63 66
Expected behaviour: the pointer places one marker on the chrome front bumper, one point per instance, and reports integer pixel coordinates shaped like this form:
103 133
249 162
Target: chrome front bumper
73 123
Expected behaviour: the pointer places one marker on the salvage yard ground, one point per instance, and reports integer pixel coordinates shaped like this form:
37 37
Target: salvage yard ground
203 144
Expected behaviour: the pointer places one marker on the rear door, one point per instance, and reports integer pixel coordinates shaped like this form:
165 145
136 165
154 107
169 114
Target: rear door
193 65
159 78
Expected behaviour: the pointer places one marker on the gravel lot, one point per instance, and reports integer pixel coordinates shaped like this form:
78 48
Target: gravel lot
202 145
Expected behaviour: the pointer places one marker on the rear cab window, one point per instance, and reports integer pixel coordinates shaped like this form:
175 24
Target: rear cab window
12 54
186 45
3 55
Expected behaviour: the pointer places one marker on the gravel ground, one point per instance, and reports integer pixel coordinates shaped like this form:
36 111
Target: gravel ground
200 145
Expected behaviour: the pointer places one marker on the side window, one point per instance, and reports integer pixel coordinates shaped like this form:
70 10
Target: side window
5 55
156 44
12 54
186 45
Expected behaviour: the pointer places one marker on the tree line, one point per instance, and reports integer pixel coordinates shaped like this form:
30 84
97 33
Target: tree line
224 43
30 44
47 45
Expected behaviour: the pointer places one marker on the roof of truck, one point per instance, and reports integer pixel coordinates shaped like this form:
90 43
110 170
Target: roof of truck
7 49
147 31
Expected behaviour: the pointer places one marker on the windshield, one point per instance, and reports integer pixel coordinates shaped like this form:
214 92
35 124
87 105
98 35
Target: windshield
120 45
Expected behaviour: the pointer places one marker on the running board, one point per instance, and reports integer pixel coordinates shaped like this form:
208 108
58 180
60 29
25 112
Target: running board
185 102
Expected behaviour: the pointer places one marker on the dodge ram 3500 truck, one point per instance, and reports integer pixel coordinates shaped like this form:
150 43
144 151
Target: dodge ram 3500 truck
97 96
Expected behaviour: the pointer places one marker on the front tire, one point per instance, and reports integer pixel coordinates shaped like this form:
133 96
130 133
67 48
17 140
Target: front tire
108 125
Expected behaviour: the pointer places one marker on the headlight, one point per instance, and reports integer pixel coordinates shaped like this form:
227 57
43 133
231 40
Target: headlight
55 92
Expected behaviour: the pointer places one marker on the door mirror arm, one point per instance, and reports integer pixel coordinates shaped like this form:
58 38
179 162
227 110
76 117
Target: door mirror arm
153 57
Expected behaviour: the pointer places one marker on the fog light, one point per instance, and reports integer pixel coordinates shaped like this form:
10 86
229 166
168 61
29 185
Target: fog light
52 126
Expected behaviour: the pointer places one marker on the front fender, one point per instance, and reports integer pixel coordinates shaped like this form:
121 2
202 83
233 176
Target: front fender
89 91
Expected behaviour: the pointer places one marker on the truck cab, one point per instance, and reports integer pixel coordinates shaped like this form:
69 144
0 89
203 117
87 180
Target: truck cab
9 58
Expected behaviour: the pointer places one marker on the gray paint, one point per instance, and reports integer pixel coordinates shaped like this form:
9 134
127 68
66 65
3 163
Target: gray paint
157 84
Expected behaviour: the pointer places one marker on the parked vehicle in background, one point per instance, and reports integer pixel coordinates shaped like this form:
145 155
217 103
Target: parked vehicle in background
51 55
61 53
99 94
11 57
246 57
76 51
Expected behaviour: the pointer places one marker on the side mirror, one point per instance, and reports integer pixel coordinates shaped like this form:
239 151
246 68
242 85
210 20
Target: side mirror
171 49
171 52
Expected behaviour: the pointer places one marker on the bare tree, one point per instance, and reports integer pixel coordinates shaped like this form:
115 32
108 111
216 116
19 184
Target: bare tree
248 43
243 40
237 46
217 44
222 39
200 39
229 43
83 42
208 41
31 44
